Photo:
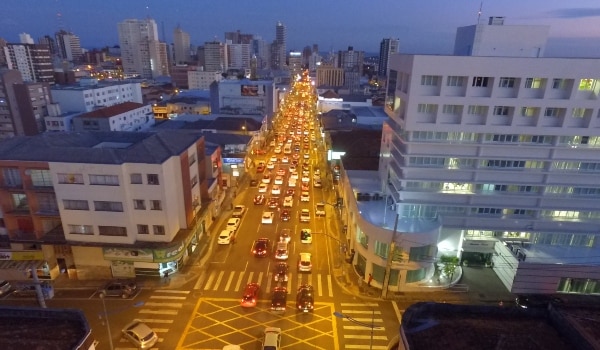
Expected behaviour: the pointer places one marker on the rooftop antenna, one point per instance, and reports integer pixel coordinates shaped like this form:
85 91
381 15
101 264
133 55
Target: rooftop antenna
479 13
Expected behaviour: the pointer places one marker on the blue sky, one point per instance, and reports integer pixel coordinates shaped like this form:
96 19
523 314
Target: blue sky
423 26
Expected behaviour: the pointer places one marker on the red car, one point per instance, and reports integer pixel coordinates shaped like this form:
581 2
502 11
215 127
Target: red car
259 199
260 168
250 296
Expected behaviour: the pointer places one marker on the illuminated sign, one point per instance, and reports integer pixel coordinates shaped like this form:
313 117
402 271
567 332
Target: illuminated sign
233 160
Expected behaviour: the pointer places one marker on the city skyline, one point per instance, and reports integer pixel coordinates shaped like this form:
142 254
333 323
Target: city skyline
427 27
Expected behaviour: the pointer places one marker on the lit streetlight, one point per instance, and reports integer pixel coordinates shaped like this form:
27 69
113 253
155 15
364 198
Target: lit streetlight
360 323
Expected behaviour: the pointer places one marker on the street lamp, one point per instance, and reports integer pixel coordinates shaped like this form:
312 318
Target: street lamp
360 323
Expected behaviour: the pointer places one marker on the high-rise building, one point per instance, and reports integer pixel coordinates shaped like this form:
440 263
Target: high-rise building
295 63
260 48
351 62
68 46
328 75
238 55
238 38
33 61
279 49
25 38
50 42
215 58
387 47
181 46
2 57
493 159
140 49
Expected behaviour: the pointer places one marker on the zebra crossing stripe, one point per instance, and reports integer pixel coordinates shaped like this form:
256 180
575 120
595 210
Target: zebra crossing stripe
269 280
228 284
374 347
209 282
367 320
362 328
329 284
166 297
173 305
218 282
359 304
239 281
347 312
375 337
159 312
319 286
250 277
260 276
171 291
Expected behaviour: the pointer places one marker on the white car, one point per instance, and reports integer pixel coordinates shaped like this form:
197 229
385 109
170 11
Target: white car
304 263
271 339
292 183
139 334
233 224
278 180
294 175
262 188
267 217
285 159
288 202
276 189
225 236
270 165
266 179
306 156
273 159
305 179
277 150
304 215
304 197
238 211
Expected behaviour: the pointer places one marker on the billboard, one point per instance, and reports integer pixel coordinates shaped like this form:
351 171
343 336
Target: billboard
251 90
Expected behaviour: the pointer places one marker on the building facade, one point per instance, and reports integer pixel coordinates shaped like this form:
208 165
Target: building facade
33 61
387 47
90 94
126 116
201 80
68 46
252 97
106 204
140 48
181 47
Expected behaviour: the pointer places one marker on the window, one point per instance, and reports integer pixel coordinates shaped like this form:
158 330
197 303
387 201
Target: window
528 111
158 230
480 81
501 110
362 238
139 204
143 230
20 201
477 110
112 231
578 113
488 211
12 177
504 138
429 80
81 229
427 108
41 178
454 81
587 84
136 178
152 179
452 109
70 179
551 112
533 83
192 159
381 249
104 180
497 163
194 181
108 206
558 84
71 204
506 82
155 205
421 253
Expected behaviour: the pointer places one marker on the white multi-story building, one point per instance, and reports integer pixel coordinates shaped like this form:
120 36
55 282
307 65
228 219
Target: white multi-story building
126 116
238 55
503 154
90 94
69 46
245 96
201 80
181 46
140 48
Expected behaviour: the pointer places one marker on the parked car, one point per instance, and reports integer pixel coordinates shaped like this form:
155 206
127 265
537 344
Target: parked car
250 296
305 299
118 288
5 287
238 211
233 224
225 236
271 339
139 334
536 301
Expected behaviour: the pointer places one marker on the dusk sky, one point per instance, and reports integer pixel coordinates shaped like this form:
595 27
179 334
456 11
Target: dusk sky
423 26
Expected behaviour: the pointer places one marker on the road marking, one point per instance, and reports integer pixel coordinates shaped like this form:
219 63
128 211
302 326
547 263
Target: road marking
160 312
362 328
170 291
173 305
216 286
200 280
375 337
250 277
167 297
310 279
260 276
359 304
398 312
376 312
329 285
209 282
374 347
269 279
152 320
160 330
319 286
239 281
367 320
228 284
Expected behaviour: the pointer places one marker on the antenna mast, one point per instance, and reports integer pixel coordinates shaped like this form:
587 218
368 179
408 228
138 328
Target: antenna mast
479 13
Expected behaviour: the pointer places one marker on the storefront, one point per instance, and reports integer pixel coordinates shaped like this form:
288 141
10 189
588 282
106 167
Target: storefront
18 265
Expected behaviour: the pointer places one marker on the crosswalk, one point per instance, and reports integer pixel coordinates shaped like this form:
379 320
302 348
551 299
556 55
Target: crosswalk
357 326
159 312
235 281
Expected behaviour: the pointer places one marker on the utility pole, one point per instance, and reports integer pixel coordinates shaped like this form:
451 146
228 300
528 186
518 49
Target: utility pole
390 257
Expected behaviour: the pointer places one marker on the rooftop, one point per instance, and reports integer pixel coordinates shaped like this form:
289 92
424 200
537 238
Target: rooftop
108 112
113 147
100 84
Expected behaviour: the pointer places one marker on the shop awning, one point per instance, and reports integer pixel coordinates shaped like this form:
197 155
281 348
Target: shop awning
22 265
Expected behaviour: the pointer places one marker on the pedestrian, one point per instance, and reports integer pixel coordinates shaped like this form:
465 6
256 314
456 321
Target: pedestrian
166 276
370 280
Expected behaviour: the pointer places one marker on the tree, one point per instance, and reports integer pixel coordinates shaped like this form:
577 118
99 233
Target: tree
449 265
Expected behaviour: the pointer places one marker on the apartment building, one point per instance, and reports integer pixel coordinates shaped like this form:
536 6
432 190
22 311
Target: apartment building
493 159
90 94
33 61
106 204
126 116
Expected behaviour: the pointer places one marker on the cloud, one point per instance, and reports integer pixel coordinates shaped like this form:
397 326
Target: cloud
575 13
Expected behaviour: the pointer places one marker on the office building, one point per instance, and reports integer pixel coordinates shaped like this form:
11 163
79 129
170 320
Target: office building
330 76
33 61
201 80
181 47
238 55
215 57
68 46
141 52
278 48
493 159
387 47
101 205
295 64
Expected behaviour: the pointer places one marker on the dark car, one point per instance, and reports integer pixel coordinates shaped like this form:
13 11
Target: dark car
279 299
290 192
305 299
273 202
259 199
281 272
118 288
285 215
253 183
536 301
260 247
